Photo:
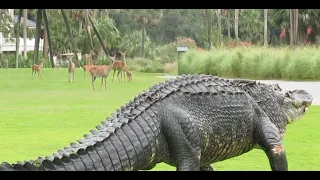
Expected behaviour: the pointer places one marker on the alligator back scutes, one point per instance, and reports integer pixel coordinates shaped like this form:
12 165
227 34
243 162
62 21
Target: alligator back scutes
192 84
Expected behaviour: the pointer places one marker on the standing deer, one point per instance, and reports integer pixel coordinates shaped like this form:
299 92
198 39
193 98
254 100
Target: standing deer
89 59
71 68
101 71
36 68
119 66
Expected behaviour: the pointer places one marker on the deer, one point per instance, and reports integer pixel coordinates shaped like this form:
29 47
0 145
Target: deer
101 71
36 68
88 58
129 74
119 66
71 69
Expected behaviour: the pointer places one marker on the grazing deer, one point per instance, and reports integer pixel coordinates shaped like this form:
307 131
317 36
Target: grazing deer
119 66
89 59
71 68
101 71
129 74
36 68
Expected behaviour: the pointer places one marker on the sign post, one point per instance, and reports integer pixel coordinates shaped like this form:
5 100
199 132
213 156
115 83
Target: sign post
180 50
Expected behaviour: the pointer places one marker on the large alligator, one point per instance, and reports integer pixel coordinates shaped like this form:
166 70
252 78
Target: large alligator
188 122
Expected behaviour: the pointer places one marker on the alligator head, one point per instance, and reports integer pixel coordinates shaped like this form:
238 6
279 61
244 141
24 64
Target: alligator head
291 105
296 104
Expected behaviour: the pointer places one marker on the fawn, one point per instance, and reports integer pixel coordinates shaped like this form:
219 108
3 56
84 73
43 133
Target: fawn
36 68
71 68
119 66
101 71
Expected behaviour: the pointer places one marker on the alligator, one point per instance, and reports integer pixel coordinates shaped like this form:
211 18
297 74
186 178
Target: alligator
189 122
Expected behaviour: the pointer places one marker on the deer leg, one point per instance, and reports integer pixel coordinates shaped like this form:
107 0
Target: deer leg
69 76
124 76
93 79
101 83
118 75
105 83
114 71
73 76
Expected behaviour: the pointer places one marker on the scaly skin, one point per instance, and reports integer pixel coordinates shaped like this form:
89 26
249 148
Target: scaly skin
189 122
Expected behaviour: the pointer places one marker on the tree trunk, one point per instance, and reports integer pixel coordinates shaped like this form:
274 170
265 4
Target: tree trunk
98 35
25 17
48 35
236 23
228 24
45 41
219 26
80 26
143 33
291 26
209 14
265 41
296 21
70 36
37 40
88 29
18 38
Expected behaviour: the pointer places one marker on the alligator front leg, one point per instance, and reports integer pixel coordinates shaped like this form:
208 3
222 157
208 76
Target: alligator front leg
268 137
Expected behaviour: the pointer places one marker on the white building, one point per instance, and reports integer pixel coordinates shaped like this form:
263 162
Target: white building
9 44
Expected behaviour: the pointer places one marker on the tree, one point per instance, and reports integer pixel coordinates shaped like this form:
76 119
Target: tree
5 22
236 23
293 26
265 41
48 37
145 18
18 38
209 15
65 18
219 26
37 40
25 17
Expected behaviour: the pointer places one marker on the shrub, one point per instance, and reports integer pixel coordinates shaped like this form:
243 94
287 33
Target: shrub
254 62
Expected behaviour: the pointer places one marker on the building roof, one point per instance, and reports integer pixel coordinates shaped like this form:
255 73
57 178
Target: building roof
30 24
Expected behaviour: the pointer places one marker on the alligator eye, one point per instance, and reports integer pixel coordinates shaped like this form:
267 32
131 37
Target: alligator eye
288 94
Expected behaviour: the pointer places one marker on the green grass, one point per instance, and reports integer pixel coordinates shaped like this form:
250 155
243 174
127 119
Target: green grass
40 116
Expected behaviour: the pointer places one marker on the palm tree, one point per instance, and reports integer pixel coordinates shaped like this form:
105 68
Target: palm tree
293 26
18 38
65 18
236 23
48 37
145 18
25 17
37 40
219 26
265 27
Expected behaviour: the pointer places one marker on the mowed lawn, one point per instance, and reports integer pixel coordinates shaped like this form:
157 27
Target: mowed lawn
40 116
